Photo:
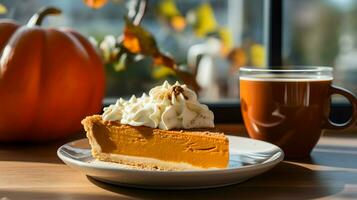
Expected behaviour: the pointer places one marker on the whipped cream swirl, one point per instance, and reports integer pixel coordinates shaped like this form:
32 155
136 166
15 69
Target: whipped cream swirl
166 107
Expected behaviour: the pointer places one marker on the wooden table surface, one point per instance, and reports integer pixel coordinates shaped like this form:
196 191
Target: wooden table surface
33 171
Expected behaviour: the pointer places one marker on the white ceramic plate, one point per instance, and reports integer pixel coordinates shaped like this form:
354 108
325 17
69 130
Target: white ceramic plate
248 158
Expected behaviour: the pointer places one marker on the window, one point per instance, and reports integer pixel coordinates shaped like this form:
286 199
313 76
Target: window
319 32
237 25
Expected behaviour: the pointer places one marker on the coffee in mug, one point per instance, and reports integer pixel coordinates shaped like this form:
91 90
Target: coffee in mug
290 107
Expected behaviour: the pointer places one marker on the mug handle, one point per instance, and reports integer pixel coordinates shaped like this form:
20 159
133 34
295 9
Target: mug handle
352 99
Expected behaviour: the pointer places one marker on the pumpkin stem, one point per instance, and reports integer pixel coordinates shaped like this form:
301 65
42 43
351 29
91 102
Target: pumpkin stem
37 18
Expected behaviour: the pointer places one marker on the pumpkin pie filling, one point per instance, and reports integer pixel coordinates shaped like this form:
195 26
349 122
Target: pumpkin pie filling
190 148
166 145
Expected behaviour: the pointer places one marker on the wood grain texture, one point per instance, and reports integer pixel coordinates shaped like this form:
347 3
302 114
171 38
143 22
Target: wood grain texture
33 171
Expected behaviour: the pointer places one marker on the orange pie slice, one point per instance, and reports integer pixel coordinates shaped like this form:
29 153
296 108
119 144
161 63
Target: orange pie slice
156 149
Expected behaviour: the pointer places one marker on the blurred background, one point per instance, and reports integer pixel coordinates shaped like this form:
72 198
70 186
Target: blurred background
211 38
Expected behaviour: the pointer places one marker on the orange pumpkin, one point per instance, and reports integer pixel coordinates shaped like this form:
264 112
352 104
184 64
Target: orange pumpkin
50 79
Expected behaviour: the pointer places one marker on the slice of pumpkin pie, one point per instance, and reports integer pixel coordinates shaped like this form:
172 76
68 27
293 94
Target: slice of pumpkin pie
165 130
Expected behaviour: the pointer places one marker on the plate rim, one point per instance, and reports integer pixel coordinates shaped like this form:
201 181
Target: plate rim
87 165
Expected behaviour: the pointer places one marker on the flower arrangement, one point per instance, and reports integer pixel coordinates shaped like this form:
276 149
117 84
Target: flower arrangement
137 46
